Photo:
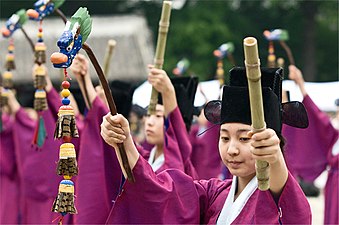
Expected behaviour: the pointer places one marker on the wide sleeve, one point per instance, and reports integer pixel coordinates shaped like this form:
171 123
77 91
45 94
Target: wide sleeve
205 151
170 197
31 161
292 207
54 102
305 145
178 148
99 177
7 154
299 212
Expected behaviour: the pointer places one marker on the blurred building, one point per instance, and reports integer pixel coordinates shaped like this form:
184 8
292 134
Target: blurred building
132 53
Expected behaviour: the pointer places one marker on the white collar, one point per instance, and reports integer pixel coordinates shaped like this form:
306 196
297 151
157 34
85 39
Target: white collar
231 208
156 164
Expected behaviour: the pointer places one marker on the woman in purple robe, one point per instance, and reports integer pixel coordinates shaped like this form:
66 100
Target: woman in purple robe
9 179
99 177
171 197
309 152
166 130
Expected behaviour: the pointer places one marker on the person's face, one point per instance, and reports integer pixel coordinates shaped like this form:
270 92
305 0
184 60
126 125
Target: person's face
154 126
234 149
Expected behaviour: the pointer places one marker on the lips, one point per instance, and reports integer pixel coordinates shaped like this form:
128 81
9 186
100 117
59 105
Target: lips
234 164
149 132
58 58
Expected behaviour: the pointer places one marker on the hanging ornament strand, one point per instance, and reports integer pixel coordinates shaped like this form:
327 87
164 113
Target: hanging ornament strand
40 97
67 164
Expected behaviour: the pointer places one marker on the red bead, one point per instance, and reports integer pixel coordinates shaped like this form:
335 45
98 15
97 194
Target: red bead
40 29
65 84
67 139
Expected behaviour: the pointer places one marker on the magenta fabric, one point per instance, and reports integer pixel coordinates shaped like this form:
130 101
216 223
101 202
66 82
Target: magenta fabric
172 197
9 179
37 167
177 147
205 151
331 191
307 149
99 177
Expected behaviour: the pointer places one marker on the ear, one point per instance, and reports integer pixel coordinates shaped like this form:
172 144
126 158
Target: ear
212 111
294 114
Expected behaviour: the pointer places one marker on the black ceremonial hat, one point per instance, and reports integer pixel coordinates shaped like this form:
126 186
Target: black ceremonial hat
185 89
235 104
122 93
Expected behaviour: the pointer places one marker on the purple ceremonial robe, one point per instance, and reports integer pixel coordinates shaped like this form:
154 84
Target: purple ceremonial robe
9 179
331 192
172 197
99 177
37 167
177 147
307 149
205 151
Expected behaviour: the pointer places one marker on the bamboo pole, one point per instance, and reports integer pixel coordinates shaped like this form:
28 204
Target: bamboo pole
160 49
109 51
252 64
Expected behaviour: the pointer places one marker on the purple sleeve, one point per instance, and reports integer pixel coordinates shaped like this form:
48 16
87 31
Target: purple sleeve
305 145
177 146
54 102
7 154
99 175
292 207
32 161
169 197
321 121
22 118
205 152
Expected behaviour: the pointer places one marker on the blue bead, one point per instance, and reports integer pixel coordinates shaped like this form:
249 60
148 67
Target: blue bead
66 101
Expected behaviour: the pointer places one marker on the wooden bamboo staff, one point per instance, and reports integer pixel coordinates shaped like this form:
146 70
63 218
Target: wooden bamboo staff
252 64
111 105
31 44
288 52
109 51
160 50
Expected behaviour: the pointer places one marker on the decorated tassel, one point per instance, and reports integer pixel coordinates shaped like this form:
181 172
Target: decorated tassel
4 98
66 123
271 56
7 80
64 202
40 133
40 101
67 165
10 65
40 48
40 77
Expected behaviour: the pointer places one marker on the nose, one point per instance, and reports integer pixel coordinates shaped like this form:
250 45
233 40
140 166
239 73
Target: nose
233 148
58 58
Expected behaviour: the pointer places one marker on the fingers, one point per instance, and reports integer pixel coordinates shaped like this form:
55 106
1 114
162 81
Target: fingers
158 79
265 146
266 138
80 65
111 129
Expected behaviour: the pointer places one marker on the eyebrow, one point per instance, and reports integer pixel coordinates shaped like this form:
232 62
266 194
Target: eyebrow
238 131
